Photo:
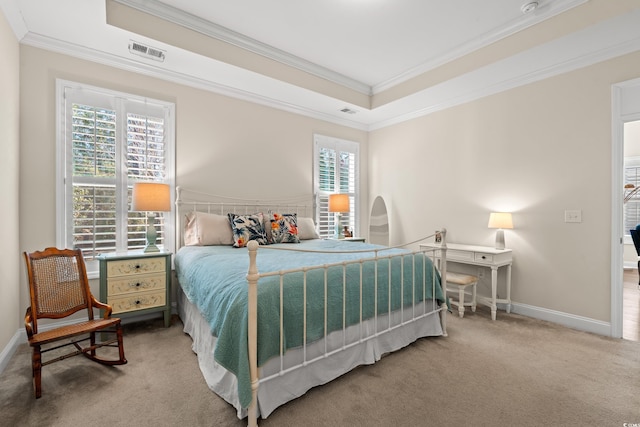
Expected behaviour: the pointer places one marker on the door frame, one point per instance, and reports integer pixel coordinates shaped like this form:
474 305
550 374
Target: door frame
625 107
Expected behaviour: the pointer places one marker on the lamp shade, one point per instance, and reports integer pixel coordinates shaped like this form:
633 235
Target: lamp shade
338 203
151 197
500 220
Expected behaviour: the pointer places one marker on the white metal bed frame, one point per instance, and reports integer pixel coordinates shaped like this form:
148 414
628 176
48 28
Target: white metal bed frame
304 207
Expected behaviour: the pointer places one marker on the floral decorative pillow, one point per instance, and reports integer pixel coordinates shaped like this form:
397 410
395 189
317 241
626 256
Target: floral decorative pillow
246 228
284 228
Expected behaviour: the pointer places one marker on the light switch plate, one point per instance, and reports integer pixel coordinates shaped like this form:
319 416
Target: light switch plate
573 216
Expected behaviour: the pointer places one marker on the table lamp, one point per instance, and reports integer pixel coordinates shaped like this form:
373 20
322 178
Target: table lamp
151 197
338 203
500 220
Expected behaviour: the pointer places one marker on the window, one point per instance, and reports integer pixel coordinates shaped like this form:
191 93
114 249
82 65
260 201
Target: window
336 164
632 206
107 141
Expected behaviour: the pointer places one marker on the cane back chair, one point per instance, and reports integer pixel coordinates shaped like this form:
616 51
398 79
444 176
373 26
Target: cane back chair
59 287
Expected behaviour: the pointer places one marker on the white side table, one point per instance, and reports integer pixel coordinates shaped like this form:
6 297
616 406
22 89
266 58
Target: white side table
485 256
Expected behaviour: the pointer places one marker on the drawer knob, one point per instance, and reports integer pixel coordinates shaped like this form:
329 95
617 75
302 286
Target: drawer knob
137 265
137 302
484 257
138 285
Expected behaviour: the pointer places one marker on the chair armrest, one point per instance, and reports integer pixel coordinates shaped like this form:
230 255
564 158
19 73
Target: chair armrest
28 322
106 307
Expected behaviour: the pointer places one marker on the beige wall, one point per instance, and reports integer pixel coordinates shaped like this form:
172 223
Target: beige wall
10 267
223 146
535 150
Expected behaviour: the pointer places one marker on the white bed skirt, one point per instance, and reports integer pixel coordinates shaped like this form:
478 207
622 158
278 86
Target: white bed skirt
276 390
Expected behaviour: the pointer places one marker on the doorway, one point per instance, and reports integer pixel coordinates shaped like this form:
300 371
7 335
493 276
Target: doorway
625 112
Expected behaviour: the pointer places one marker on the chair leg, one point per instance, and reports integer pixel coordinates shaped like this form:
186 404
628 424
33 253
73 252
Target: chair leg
92 341
120 344
461 301
473 295
36 366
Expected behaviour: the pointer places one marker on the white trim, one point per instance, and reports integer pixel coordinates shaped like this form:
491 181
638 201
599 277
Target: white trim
565 319
600 42
617 235
218 32
495 35
625 106
210 29
10 349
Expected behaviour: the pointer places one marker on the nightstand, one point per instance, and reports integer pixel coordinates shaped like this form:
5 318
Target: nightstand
135 283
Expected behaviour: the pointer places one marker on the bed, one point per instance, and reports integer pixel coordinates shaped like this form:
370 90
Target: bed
269 321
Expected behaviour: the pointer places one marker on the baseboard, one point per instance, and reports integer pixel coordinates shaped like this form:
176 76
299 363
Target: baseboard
569 320
10 349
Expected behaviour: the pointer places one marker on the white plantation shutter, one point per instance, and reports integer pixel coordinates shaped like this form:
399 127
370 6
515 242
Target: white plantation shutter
632 207
335 171
106 142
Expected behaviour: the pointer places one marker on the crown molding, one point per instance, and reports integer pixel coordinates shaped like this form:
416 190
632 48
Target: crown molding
210 29
572 52
592 45
14 17
546 11
151 70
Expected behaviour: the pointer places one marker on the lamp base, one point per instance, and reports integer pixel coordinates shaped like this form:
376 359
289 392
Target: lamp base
151 248
152 236
500 239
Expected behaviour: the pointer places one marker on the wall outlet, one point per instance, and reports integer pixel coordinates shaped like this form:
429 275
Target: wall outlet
573 216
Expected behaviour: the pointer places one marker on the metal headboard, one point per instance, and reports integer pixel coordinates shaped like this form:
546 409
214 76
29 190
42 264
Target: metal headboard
190 201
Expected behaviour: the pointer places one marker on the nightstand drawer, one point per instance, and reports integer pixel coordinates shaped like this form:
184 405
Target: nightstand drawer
127 267
137 301
129 284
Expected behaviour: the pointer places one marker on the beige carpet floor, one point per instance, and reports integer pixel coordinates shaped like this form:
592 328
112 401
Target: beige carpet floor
515 371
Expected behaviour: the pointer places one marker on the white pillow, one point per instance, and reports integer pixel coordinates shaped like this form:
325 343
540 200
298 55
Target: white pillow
205 229
307 229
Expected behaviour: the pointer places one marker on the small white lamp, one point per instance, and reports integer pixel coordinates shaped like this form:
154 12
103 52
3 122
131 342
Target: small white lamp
338 203
500 220
151 197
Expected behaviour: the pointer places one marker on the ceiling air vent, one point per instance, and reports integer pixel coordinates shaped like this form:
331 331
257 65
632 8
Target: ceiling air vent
348 110
146 51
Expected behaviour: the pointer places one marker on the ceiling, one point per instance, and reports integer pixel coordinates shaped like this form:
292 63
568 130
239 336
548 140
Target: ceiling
378 51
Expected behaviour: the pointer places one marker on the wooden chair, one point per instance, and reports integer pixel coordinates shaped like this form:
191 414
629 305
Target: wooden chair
59 287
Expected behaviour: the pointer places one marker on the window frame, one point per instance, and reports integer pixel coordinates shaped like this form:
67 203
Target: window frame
124 103
337 144
631 162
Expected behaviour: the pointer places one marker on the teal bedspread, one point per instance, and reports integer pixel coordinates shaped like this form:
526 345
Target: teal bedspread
214 279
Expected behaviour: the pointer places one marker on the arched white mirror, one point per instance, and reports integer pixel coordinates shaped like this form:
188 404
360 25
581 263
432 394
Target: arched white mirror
379 223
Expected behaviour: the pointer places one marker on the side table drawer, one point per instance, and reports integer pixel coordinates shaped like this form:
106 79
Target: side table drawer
455 255
484 258
129 284
137 301
127 267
